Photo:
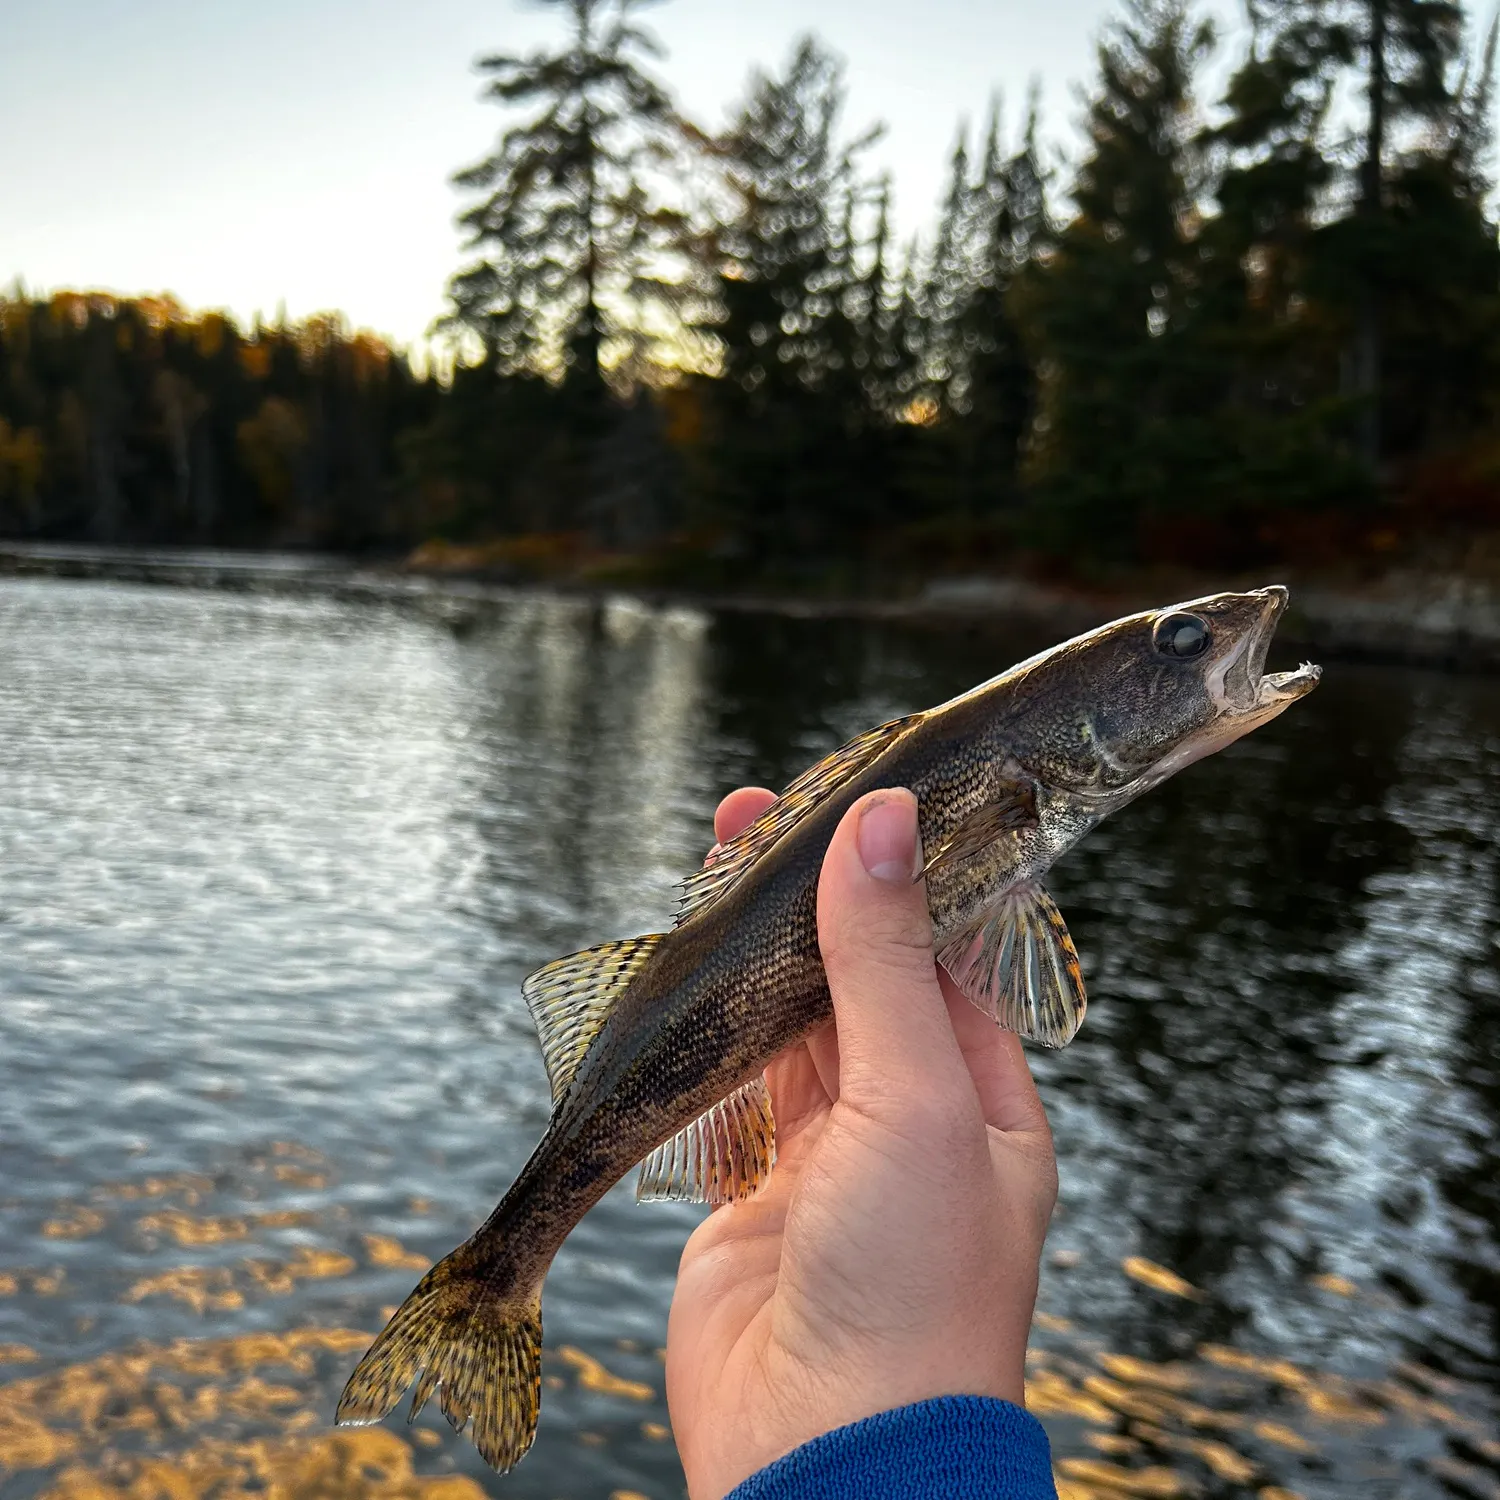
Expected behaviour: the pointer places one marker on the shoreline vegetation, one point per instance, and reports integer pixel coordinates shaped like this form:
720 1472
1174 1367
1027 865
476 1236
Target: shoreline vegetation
1420 619
1243 331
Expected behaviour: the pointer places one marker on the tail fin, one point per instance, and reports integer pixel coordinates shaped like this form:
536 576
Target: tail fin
463 1335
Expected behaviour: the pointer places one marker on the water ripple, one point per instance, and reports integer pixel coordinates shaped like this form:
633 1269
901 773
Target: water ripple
271 872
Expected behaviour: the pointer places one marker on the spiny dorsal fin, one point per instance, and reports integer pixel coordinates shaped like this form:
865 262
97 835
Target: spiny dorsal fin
723 1156
1018 964
570 997
810 788
1012 807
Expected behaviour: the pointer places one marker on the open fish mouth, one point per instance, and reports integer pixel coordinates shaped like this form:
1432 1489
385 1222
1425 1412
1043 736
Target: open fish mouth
1240 683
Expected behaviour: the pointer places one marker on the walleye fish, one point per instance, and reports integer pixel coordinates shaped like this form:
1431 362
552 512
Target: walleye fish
655 1045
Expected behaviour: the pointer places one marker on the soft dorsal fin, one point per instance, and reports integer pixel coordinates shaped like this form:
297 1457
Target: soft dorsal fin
1011 808
810 788
570 997
1018 964
723 1156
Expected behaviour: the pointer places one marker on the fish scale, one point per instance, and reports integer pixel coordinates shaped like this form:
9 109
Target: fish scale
656 1046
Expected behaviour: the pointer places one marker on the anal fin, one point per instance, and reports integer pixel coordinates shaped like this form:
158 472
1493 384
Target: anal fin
1018 964
722 1157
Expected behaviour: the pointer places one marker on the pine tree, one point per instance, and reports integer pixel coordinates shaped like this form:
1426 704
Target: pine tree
948 284
1470 136
1276 424
570 232
978 379
1400 54
874 311
1439 286
786 241
1277 163
997 397
1362 268
1116 308
791 409
889 339
1409 45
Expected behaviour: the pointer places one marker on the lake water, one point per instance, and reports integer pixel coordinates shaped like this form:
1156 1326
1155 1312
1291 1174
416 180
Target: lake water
272 870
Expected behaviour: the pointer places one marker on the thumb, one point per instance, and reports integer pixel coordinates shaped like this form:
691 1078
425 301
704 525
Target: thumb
875 935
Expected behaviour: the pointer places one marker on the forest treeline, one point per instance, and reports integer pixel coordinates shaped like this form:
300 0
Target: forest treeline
1234 329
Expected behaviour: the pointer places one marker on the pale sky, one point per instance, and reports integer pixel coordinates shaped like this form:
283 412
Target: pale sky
245 154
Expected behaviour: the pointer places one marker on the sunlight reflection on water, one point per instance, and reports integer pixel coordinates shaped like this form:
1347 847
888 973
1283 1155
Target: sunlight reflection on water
271 872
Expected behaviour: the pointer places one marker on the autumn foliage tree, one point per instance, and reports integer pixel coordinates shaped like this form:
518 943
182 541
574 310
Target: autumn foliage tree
133 420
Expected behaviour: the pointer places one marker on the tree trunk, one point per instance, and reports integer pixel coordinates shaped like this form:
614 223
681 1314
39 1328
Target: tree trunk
1371 207
104 400
205 485
591 369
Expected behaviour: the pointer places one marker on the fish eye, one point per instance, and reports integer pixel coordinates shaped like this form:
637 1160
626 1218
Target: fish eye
1181 635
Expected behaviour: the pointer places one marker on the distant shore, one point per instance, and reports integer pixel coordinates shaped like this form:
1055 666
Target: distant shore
1403 618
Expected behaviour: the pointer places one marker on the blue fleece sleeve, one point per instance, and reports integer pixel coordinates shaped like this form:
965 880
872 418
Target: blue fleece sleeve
952 1448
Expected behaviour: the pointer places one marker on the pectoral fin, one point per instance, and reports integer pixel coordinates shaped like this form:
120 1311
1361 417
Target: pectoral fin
1013 807
723 1156
1018 964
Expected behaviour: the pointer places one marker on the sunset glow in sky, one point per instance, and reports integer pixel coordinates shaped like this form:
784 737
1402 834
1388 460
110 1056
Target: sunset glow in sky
297 152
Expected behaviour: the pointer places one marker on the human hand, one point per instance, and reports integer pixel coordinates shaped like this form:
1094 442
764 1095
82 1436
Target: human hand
893 1256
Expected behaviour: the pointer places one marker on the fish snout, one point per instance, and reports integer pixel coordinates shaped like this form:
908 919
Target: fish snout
1277 594
1237 682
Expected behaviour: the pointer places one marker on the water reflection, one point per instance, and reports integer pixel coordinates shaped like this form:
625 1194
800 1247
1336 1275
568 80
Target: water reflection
270 875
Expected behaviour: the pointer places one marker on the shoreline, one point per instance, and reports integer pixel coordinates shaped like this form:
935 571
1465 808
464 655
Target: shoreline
1442 621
